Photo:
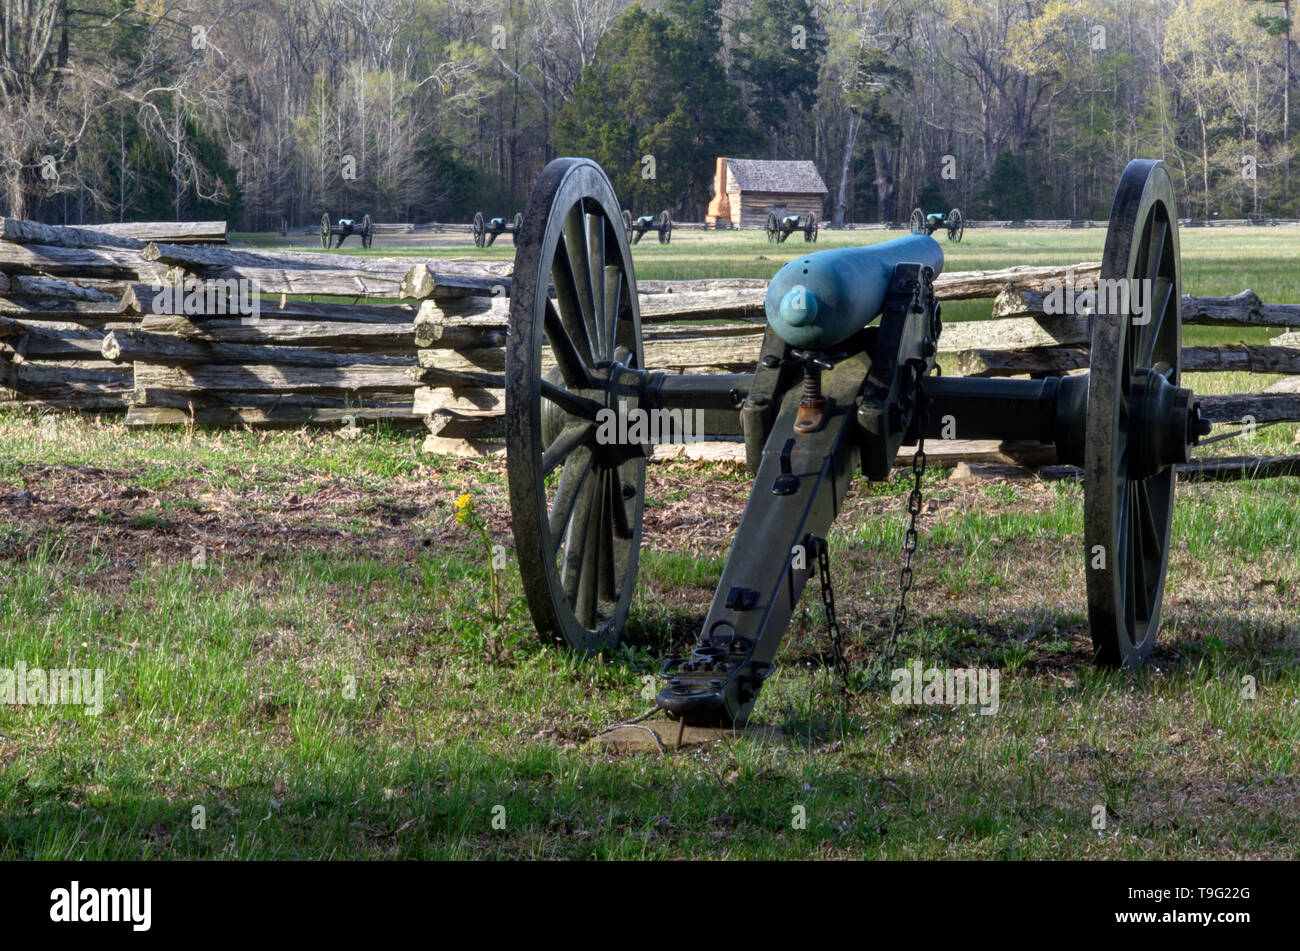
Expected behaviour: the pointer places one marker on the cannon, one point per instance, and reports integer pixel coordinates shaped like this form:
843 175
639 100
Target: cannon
846 375
780 227
637 227
346 226
487 230
953 222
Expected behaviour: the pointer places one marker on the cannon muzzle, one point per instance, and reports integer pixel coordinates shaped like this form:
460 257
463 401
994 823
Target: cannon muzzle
819 300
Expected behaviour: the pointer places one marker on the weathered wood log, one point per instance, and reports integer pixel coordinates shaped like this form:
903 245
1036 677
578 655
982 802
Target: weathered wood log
63 379
1259 408
198 259
1241 357
423 281
482 321
1048 360
26 285
200 298
174 350
81 262
61 309
1242 308
33 232
704 285
342 336
354 378
29 341
388 400
282 416
672 355
175 232
342 282
1014 334
1058 360
87 403
965 285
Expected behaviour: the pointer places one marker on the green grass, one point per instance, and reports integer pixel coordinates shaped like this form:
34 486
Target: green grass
325 682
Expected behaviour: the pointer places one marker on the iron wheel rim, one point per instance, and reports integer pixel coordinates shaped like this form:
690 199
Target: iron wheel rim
577 548
1128 521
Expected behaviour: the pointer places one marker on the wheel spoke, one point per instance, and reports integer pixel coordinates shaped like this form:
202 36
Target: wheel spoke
573 436
622 519
571 403
595 235
1155 250
575 545
570 308
613 306
585 603
567 355
575 245
608 578
1146 520
1137 558
1161 297
573 477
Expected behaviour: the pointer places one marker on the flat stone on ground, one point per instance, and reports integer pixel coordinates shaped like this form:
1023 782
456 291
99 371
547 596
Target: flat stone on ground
638 737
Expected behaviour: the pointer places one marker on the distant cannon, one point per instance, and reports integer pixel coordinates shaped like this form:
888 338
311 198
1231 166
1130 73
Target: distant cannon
637 227
345 227
486 231
921 223
780 228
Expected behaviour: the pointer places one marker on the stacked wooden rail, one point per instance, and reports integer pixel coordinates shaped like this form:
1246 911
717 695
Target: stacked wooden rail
292 361
61 291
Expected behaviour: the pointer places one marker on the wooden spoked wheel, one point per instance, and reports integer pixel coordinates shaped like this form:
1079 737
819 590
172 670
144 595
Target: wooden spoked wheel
325 231
367 232
810 229
627 224
917 221
773 226
515 225
665 227
480 229
1136 361
575 503
956 225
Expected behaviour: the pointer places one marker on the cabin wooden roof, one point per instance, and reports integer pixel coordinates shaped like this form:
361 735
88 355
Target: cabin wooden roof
765 175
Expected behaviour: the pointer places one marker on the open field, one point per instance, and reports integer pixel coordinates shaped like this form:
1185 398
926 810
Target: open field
234 586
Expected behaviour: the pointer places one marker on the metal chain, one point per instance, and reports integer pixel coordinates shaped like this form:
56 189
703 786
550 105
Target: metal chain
905 573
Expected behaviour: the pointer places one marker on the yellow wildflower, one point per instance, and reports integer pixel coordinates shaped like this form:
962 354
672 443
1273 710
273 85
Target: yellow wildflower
464 508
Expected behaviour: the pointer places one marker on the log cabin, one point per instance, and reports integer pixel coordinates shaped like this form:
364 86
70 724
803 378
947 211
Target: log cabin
745 190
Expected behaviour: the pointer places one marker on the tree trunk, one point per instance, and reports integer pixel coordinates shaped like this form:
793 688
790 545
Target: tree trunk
846 161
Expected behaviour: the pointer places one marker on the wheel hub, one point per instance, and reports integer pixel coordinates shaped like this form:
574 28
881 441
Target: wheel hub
1164 423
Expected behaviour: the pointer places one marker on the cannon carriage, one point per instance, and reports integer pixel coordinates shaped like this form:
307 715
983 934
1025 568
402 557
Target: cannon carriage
780 227
486 230
953 222
364 229
845 377
661 224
